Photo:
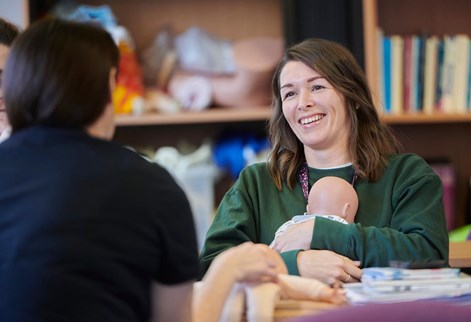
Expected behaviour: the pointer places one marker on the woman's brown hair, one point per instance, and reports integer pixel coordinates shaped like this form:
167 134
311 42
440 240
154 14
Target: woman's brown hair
8 32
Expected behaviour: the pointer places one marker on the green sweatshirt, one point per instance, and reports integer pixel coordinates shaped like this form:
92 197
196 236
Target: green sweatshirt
400 217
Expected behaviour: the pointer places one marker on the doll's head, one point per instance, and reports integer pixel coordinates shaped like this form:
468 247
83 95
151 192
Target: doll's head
333 196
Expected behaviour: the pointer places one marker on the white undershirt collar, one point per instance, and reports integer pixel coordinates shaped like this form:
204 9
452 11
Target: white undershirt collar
337 167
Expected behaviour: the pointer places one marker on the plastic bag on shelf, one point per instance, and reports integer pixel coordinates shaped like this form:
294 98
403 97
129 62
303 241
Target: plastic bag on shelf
159 60
198 51
102 15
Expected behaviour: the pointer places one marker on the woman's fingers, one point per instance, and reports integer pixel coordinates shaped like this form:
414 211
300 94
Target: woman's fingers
352 271
328 267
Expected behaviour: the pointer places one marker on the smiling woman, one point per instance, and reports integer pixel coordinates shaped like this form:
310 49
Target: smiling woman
315 111
324 123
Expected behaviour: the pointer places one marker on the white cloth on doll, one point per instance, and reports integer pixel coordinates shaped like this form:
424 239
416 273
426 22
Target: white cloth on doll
303 218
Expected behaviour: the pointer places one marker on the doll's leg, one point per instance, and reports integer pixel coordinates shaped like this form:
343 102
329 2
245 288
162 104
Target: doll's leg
235 305
261 301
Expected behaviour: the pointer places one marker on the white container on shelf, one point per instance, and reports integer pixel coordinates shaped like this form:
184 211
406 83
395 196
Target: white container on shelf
196 174
198 184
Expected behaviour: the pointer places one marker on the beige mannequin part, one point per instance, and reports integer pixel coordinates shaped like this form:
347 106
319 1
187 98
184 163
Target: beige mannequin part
220 296
258 300
250 85
333 196
255 60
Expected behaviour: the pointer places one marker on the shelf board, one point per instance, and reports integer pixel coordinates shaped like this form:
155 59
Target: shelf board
254 114
212 115
427 118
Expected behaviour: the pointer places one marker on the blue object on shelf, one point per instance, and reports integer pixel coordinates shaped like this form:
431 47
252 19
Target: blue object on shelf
234 152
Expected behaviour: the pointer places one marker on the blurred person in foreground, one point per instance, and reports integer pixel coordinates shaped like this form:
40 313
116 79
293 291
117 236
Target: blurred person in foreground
89 230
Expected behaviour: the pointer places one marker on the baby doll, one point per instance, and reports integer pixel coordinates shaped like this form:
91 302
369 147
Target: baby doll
330 197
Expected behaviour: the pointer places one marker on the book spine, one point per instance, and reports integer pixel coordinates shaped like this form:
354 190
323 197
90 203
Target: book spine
407 74
397 49
448 75
421 72
387 75
460 83
430 74
439 90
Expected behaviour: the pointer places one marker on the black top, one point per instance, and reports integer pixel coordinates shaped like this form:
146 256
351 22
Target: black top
85 227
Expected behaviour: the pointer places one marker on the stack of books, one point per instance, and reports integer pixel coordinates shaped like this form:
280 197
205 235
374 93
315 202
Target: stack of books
389 284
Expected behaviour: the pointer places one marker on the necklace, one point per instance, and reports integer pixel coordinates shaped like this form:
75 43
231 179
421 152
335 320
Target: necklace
304 180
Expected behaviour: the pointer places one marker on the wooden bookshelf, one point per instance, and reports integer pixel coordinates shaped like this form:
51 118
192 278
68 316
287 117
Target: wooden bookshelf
424 119
259 113
438 135
212 115
460 254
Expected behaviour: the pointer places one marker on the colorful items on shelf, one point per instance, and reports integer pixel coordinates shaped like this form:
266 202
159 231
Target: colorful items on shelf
129 92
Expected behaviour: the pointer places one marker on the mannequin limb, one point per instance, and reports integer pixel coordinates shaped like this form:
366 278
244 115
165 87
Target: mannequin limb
235 304
250 85
261 301
263 297
255 61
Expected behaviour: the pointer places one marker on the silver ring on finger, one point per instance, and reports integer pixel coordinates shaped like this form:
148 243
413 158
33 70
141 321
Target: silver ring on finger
348 278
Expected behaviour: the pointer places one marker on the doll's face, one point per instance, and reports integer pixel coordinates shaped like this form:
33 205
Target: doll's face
3 117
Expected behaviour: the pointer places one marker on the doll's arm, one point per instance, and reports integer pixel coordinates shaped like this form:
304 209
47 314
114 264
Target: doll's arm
302 288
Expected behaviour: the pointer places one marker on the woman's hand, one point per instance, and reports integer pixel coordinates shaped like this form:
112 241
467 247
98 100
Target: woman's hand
296 236
253 262
328 267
